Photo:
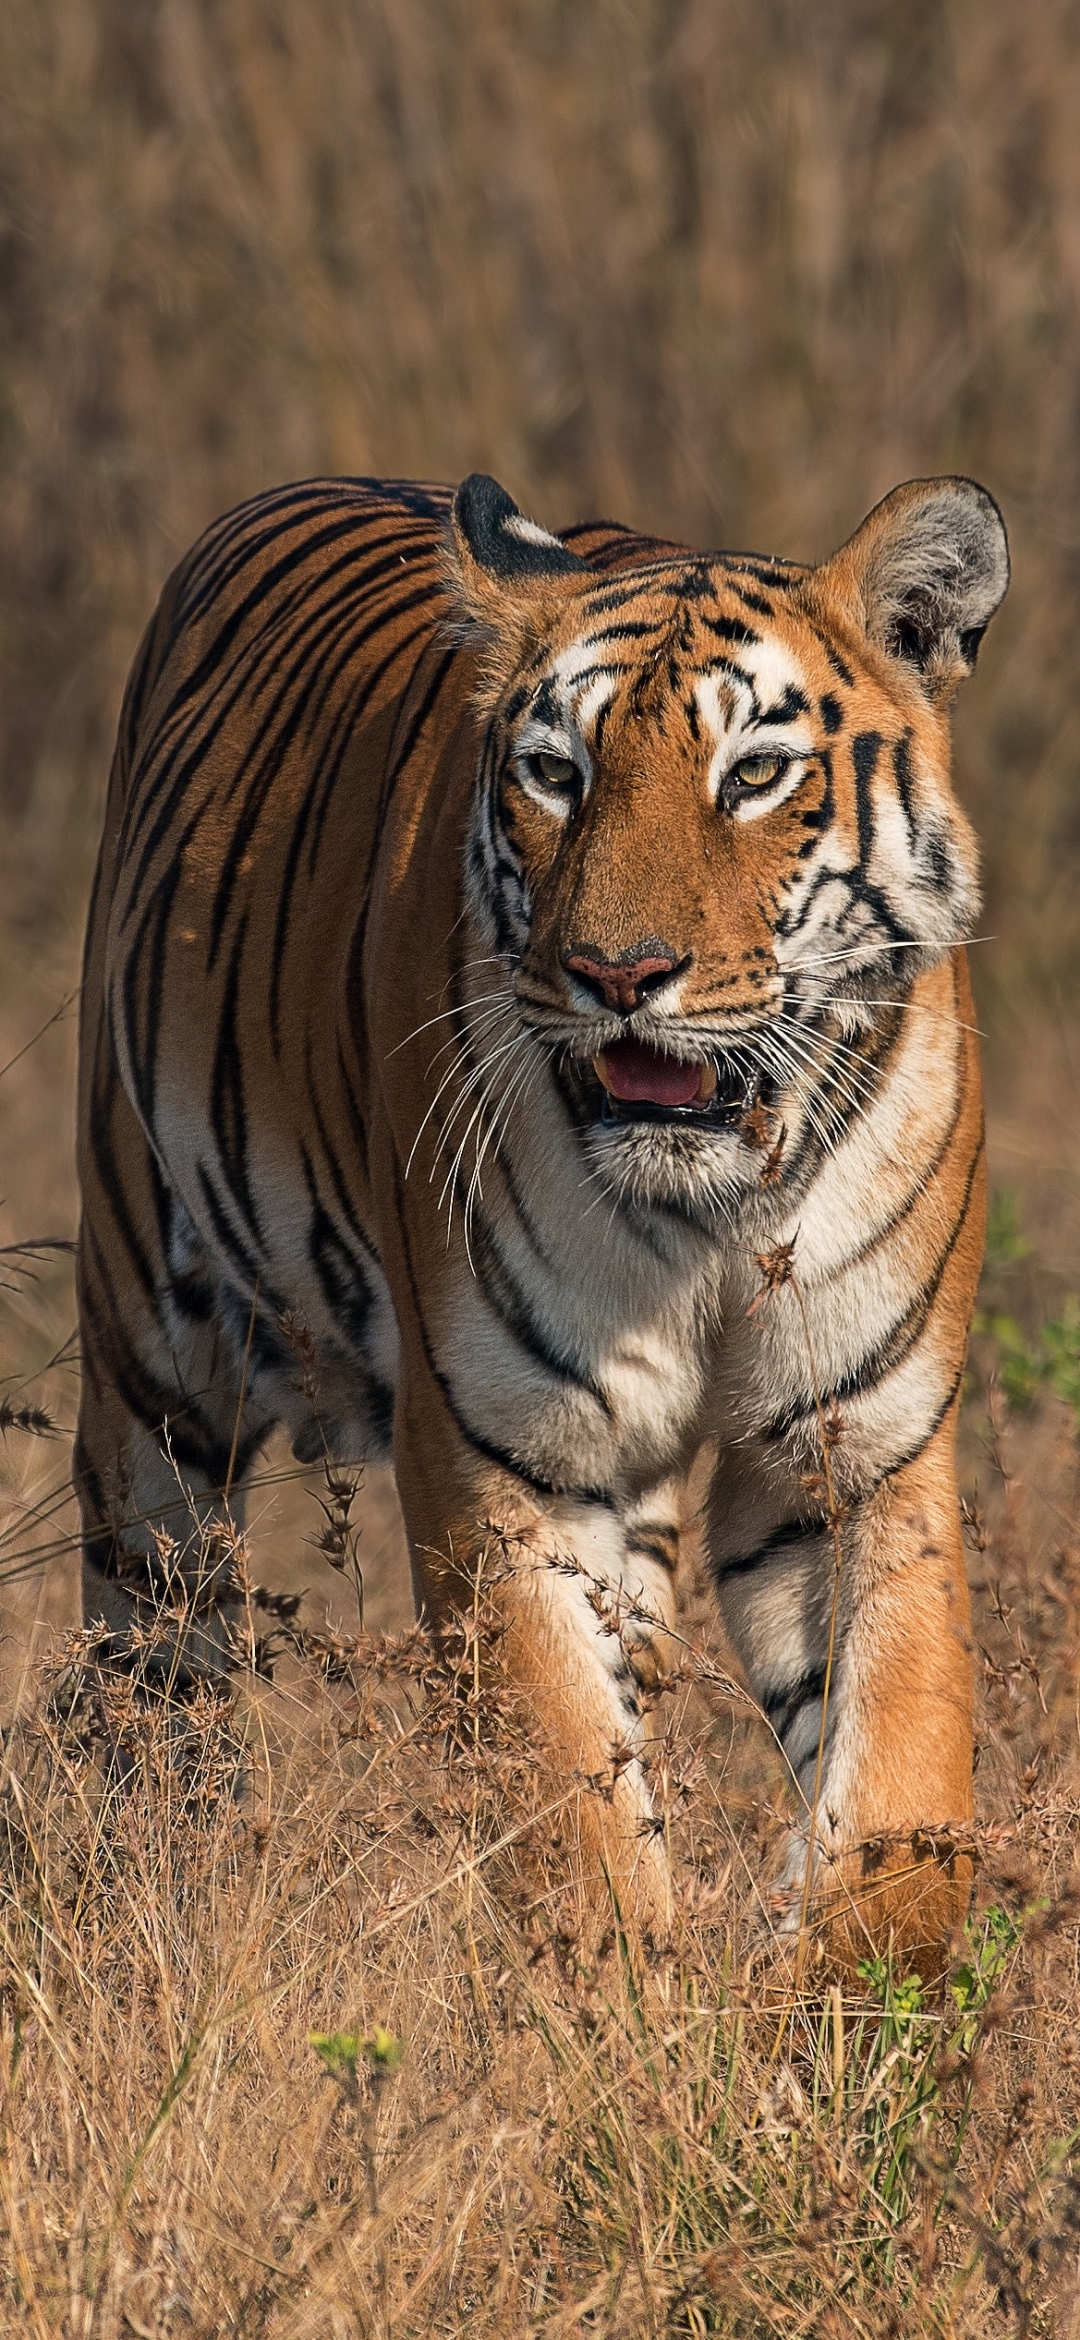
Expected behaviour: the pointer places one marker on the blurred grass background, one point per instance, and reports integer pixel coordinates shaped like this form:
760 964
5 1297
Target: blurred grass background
726 268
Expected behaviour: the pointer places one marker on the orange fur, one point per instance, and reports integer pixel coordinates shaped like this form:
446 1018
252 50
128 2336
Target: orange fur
335 876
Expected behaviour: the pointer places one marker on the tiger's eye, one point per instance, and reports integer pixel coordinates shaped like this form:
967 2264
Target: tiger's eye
758 771
556 771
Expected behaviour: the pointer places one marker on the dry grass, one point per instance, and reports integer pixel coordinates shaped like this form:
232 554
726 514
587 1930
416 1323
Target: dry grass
730 267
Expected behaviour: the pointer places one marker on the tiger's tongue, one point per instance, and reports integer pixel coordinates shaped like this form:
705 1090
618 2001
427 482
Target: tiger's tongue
639 1075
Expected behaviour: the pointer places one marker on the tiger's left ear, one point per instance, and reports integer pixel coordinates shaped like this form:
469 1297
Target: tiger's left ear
504 572
924 575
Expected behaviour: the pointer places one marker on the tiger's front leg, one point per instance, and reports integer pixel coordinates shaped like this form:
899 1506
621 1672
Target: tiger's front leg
574 1587
891 1754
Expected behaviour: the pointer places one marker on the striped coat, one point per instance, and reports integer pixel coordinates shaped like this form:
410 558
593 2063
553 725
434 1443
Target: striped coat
526 1027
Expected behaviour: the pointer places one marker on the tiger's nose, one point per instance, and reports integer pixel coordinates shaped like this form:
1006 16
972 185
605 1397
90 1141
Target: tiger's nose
621 984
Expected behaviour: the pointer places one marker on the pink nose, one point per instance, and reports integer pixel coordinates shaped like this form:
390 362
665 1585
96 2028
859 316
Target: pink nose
622 983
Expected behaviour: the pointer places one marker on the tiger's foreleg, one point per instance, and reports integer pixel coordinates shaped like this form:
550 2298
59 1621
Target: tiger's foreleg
581 1598
889 1834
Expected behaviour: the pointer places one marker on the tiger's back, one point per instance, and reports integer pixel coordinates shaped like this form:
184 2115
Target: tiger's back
248 795
468 1015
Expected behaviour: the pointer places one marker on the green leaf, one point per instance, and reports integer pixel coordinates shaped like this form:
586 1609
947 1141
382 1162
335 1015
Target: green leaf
341 2050
382 2049
908 1996
991 1937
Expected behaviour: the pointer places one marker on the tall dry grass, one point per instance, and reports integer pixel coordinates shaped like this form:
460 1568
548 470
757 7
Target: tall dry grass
725 267
730 267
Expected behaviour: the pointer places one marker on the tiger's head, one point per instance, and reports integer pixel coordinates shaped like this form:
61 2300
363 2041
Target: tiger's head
714 807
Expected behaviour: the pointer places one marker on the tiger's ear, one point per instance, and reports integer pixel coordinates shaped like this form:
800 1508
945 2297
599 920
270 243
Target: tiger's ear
504 572
924 575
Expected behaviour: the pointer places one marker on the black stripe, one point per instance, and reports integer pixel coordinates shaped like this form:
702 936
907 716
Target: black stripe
937 1419
838 664
601 600
351 709
342 1281
316 805
256 600
786 1539
783 1706
194 1440
310 817
794 702
270 647
228 1111
656 1542
730 629
522 1213
874 1052
279 737
927 1173
143 991
507 1301
401 751
784 575
105 1092
731 666
206 722
628 628
897 1344
753 600
238 534
865 750
357 1124
500 1456
227 1237
342 1192
905 783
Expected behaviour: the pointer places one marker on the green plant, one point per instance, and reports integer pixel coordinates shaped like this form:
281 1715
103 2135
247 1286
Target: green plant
1006 1242
1049 1359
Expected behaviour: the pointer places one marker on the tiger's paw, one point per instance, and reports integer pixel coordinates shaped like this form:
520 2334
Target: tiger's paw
899 1893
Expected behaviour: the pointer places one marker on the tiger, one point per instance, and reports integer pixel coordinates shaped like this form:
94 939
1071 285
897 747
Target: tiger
533 965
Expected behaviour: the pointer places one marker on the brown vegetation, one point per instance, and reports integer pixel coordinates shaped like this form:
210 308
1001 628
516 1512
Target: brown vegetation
724 267
295 2039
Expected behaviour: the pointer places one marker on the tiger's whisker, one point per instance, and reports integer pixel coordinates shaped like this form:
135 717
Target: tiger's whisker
514 1093
507 1052
458 1009
475 1074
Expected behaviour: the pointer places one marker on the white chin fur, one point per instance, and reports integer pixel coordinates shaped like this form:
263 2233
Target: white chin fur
645 1162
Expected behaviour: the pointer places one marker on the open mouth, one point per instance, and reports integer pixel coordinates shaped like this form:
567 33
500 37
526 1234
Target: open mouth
642 1083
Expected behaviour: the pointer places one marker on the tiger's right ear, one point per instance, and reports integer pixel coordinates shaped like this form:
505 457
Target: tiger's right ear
503 570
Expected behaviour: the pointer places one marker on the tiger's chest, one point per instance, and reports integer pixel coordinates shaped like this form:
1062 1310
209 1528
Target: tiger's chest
596 1380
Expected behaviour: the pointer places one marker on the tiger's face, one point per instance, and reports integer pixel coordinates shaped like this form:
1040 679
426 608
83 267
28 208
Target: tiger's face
715 833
